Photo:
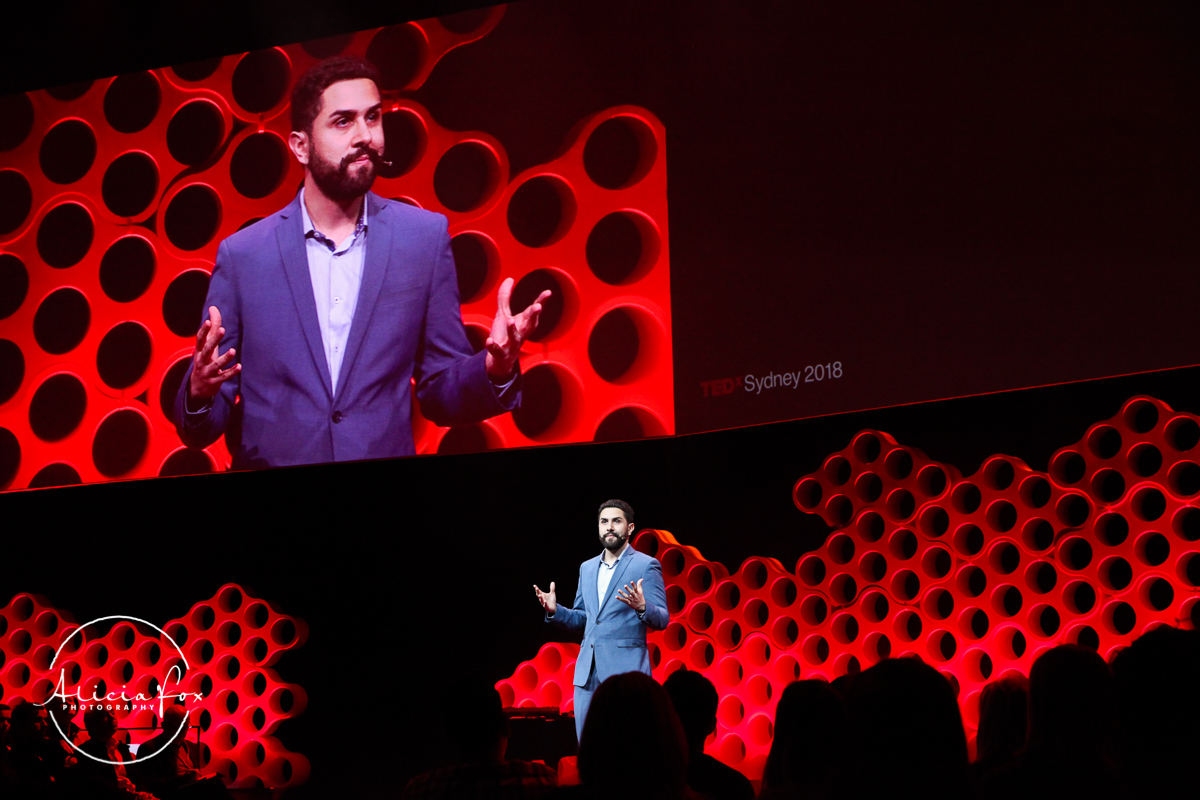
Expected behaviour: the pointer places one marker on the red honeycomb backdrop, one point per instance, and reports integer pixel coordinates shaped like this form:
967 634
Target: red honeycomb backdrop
977 575
104 258
231 642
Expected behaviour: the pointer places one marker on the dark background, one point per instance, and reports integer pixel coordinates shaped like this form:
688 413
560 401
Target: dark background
949 200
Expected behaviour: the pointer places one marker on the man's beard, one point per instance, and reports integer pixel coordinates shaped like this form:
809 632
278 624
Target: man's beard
337 182
617 543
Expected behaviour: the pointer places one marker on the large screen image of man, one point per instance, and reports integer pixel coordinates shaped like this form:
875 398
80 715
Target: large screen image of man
337 303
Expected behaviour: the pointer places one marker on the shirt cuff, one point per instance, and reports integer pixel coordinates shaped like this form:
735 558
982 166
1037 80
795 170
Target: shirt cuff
196 414
504 389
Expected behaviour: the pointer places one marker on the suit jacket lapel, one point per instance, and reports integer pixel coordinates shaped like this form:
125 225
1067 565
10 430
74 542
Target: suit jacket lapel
375 263
295 265
591 570
616 578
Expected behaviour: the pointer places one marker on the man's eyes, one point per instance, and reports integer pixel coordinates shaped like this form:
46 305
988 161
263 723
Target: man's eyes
342 122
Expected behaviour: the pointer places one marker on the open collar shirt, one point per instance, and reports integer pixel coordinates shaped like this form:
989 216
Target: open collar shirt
605 573
336 271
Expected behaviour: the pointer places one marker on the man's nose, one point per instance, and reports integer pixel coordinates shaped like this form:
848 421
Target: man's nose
362 133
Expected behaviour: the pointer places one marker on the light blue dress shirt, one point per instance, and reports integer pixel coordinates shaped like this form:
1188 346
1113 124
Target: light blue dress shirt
336 274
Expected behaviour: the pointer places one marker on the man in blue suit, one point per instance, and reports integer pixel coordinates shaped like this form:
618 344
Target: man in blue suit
614 633
321 315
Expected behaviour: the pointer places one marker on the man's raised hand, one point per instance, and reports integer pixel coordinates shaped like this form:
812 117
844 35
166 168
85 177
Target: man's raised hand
208 367
547 599
631 595
509 332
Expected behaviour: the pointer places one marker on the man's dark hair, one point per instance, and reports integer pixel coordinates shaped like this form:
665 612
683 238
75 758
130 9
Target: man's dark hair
621 504
306 94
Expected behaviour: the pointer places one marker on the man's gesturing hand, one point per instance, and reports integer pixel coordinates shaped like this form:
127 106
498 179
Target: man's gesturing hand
547 599
632 596
509 332
208 368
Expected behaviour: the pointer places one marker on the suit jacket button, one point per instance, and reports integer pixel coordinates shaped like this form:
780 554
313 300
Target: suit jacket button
337 417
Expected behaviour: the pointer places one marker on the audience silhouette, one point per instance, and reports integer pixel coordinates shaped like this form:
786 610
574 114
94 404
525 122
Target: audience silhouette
809 743
106 777
1074 729
27 751
633 745
478 732
694 699
1072 745
1003 722
1158 712
905 735
169 771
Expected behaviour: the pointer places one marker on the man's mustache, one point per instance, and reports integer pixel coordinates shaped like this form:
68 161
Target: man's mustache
369 153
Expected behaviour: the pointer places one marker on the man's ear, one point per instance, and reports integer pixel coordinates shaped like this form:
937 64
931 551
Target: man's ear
298 144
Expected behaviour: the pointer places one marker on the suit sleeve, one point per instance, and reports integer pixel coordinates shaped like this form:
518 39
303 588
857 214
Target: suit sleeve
203 428
655 592
572 619
452 382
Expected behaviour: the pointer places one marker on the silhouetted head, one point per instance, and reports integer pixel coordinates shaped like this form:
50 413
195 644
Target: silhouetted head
100 724
906 734
1003 718
60 710
475 723
810 733
695 701
1070 705
1157 687
29 722
632 744
174 716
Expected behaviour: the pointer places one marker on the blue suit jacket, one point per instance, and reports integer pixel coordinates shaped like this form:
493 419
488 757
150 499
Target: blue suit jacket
407 324
614 639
